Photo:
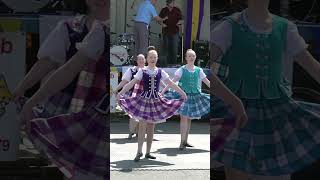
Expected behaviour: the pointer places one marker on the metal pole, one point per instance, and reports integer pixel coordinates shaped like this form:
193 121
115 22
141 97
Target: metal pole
182 37
125 16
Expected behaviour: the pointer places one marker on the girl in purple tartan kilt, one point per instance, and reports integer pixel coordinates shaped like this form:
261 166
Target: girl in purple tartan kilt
126 78
149 107
75 141
56 50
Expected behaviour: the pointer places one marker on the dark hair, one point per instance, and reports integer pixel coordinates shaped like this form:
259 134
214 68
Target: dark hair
169 1
77 6
151 48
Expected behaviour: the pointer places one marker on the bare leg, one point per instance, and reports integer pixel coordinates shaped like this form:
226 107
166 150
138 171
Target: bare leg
141 137
133 127
150 133
136 127
188 129
183 130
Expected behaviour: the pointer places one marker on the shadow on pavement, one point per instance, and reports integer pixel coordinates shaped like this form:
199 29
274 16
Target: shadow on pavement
177 151
169 127
130 165
126 140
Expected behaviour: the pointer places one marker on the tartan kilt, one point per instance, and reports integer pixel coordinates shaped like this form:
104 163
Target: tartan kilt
55 105
151 110
74 141
196 106
137 89
282 136
104 105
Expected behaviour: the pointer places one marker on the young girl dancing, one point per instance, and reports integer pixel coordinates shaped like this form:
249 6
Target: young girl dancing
282 135
76 140
149 107
126 78
190 78
58 49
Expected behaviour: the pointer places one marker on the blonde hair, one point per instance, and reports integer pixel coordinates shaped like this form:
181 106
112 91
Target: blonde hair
140 55
190 50
152 51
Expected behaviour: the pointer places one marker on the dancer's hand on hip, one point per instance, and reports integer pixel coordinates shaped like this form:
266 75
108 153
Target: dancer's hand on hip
162 93
184 96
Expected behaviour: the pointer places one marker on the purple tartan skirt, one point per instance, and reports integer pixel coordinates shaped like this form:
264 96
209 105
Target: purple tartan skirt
137 89
56 104
150 110
75 141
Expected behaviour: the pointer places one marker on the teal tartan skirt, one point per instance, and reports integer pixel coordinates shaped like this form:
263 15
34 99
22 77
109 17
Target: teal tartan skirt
282 136
196 106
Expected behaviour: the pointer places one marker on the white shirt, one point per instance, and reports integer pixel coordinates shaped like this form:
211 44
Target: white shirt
221 36
128 74
93 45
139 74
57 43
178 73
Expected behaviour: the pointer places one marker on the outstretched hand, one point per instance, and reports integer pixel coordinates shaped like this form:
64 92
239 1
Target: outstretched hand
16 94
118 96
26 114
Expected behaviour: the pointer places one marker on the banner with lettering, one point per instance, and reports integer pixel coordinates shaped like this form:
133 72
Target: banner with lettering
113 84
12 70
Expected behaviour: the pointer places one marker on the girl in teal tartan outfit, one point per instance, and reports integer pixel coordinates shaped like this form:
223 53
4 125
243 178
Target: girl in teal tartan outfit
281 135
190 78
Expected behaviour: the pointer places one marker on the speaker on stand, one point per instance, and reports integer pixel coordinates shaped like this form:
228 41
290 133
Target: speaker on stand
203 54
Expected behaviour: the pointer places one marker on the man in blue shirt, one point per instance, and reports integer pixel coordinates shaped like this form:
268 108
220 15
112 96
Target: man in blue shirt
145 14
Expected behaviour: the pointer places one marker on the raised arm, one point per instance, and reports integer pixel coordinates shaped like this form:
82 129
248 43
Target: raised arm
309 63
51 55
174 80
206 81
128 86
61 78
176 88
39 70
121 84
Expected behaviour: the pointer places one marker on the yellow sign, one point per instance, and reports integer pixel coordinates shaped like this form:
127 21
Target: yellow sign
5 94
10 25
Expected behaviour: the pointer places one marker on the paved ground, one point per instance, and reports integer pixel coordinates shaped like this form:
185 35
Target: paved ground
171 163
165 175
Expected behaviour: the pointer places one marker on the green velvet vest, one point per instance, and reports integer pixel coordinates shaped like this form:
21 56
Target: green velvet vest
255 61
189 81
